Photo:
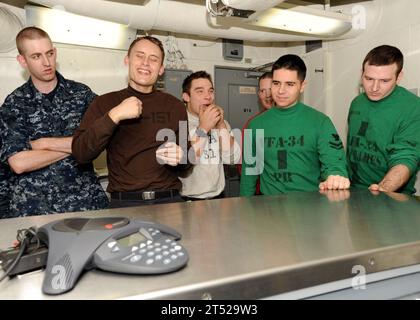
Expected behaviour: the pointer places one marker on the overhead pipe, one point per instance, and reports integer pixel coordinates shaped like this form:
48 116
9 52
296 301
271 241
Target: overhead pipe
10 25
177 17
172 16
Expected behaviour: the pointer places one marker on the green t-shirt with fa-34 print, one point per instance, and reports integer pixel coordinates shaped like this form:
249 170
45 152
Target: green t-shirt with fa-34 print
292 149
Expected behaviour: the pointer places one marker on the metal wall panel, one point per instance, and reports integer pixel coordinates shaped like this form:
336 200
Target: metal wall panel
236 92
171 81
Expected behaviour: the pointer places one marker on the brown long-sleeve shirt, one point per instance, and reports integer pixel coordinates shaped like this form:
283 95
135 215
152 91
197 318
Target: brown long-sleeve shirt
131 145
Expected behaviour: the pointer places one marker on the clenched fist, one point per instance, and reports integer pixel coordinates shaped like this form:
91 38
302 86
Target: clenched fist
129 108
209 116
335 182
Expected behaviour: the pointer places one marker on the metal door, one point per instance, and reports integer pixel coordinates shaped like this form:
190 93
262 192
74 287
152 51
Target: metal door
236 92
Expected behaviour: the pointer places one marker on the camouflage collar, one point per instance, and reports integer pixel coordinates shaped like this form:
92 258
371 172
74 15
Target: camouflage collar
33 91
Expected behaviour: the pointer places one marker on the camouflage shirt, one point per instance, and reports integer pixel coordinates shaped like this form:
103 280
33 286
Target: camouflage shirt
63 186
4 181
4 190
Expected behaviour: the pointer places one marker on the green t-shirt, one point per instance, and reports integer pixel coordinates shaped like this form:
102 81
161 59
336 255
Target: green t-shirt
381 135
293 149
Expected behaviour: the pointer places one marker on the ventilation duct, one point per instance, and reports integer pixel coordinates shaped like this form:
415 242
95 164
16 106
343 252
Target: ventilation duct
179 17
10 25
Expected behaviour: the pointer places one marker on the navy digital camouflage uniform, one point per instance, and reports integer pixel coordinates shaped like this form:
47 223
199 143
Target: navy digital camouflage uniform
63 186
5 176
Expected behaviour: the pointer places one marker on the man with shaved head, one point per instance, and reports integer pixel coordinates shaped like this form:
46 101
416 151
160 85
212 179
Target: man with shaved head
37 122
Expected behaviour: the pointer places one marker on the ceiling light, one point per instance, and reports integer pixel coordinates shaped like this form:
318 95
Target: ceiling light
255 5
65 27
302 20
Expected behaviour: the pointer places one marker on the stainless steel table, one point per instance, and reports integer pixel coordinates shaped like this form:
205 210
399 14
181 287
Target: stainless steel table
247 248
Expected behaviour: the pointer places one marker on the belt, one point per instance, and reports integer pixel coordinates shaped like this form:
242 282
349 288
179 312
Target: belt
145 195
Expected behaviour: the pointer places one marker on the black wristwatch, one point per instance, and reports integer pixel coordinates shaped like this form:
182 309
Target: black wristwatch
200 132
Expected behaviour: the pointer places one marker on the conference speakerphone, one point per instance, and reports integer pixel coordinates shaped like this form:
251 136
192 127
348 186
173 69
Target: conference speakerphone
119 245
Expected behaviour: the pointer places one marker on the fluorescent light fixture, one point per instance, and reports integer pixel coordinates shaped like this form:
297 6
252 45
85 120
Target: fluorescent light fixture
64 27
302 19
255 5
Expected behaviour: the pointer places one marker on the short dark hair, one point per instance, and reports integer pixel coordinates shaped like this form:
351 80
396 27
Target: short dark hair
265 75
186 84
154 40
291 62
385 55
30 33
